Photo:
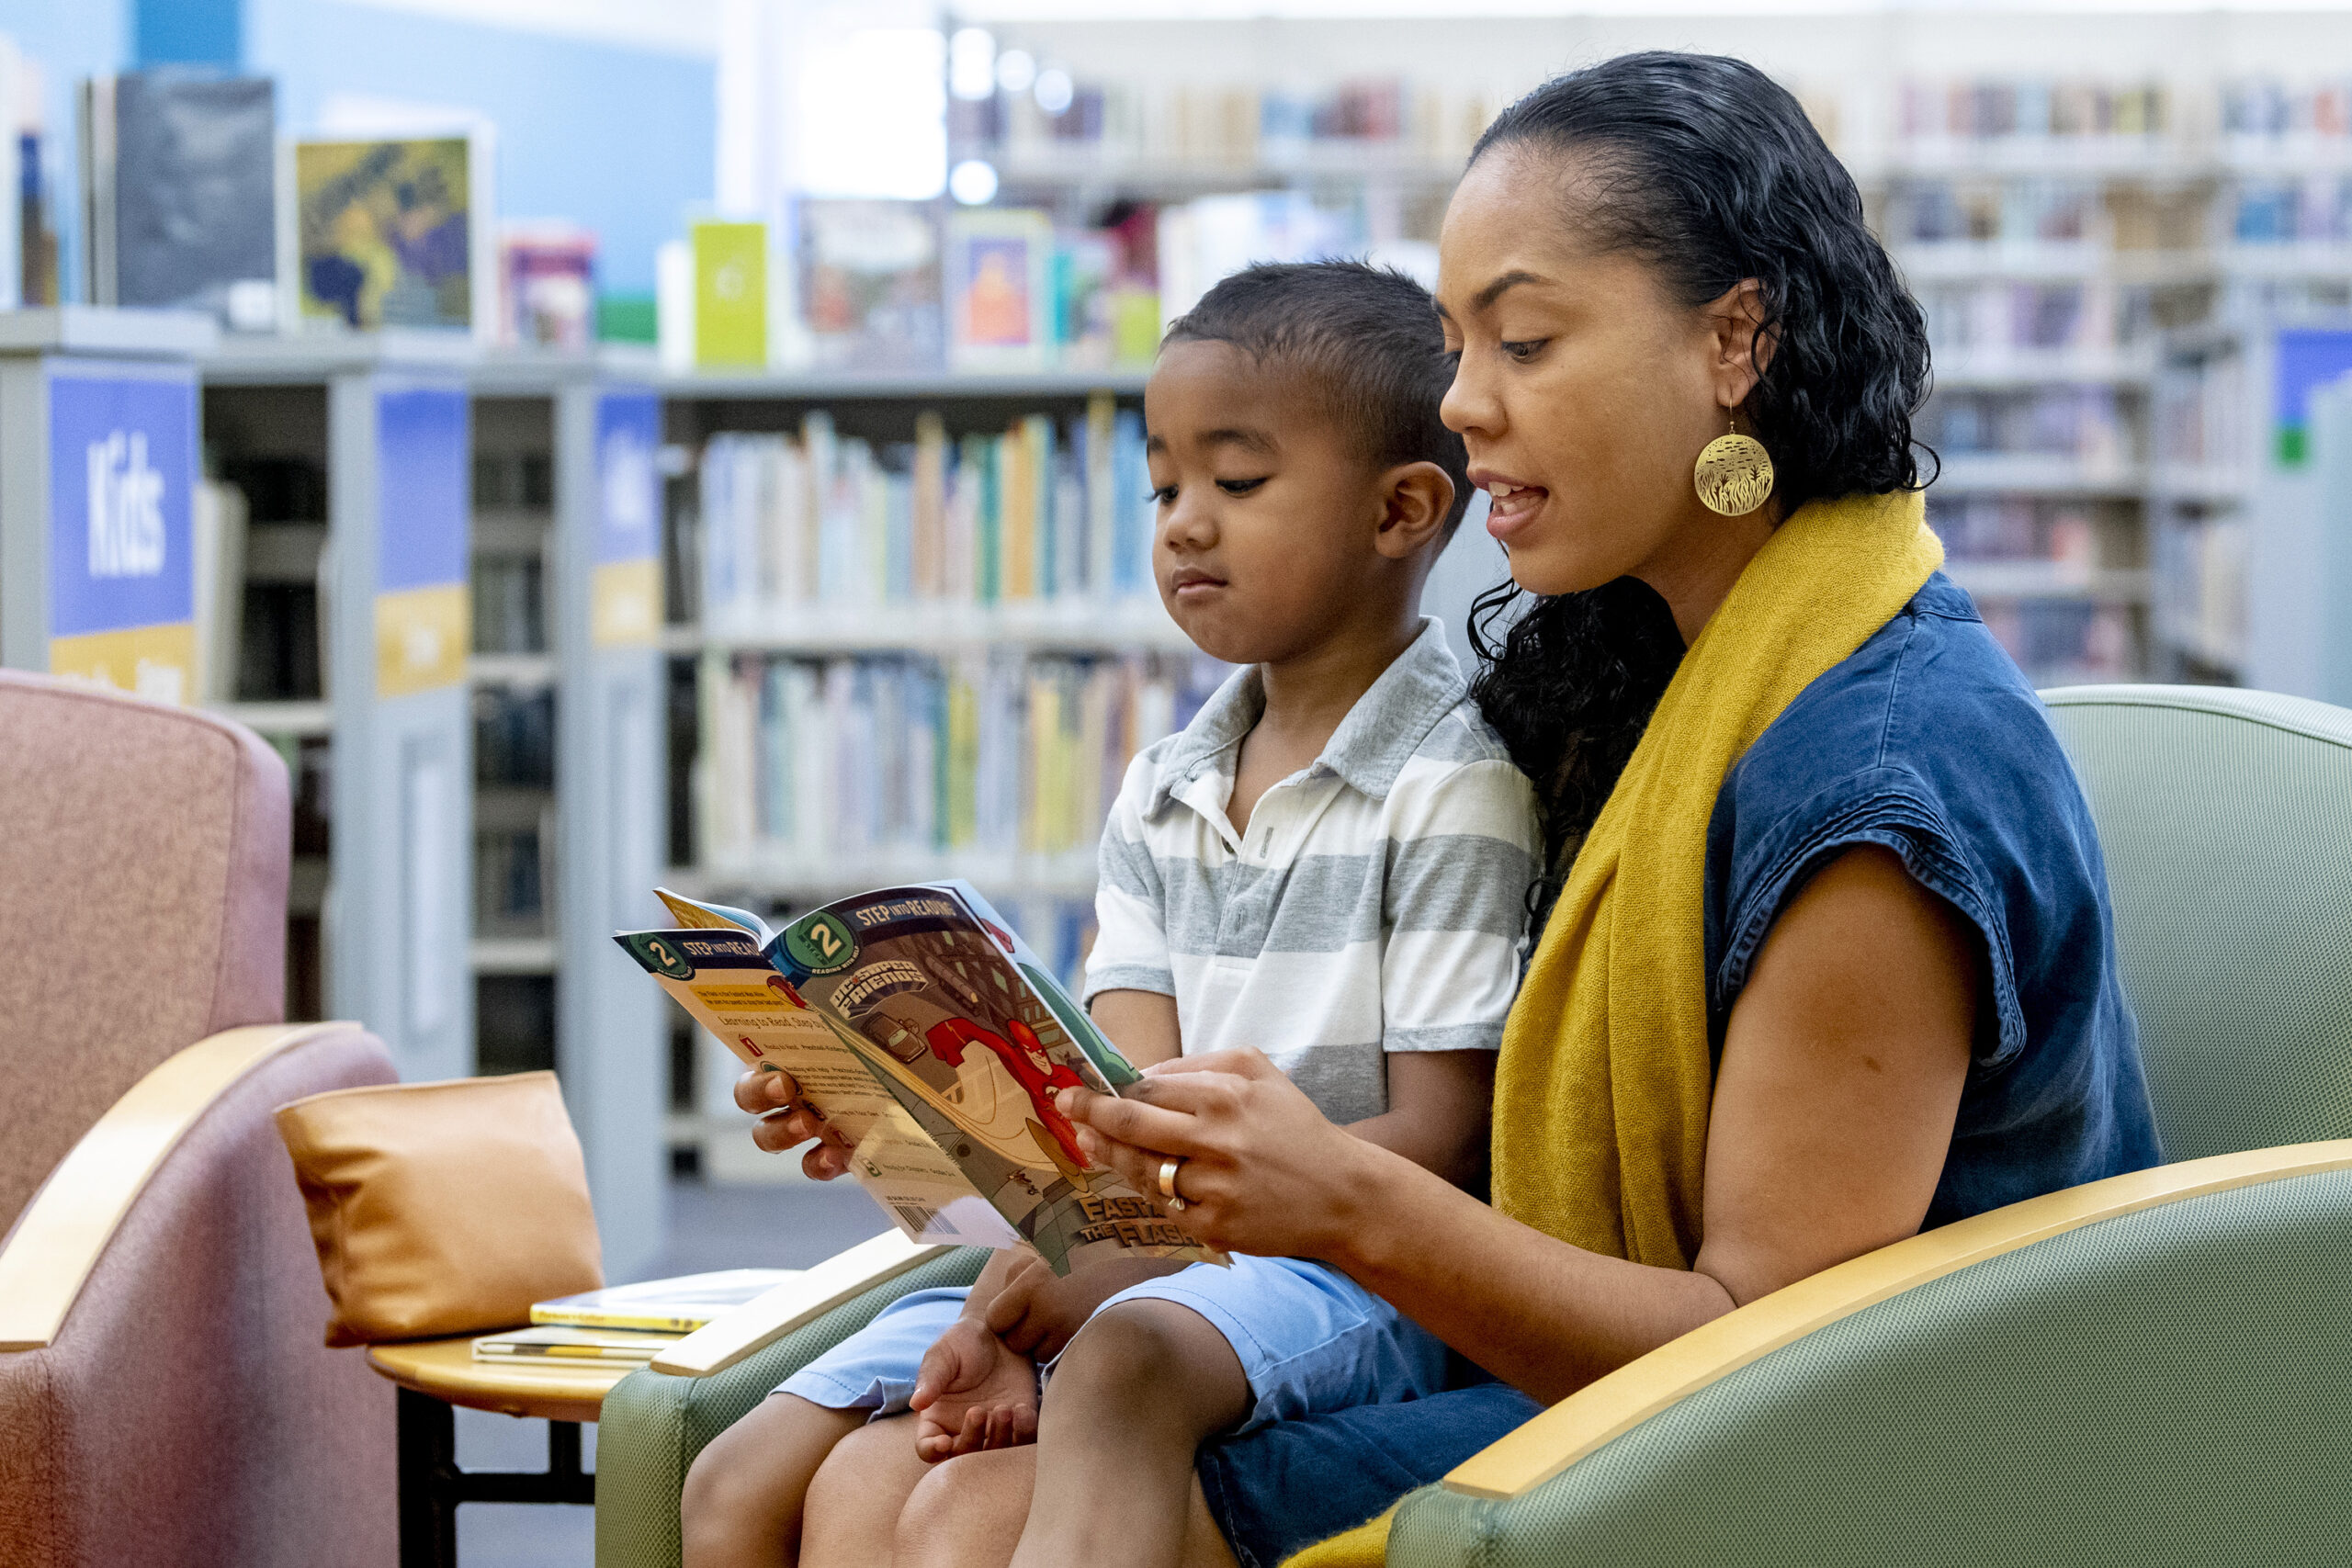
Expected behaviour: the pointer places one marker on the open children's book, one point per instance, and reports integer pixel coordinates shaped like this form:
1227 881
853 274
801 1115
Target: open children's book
924 1030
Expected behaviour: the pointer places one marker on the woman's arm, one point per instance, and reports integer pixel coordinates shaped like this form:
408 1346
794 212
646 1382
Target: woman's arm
1439 1101
1833 1113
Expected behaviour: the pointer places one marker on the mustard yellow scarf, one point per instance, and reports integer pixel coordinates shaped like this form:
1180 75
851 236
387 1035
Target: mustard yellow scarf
1602 1089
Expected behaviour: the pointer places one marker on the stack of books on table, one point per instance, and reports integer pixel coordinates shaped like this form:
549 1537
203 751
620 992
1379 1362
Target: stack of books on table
628 1323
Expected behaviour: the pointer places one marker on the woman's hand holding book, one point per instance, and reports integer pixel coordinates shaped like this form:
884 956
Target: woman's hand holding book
786 1120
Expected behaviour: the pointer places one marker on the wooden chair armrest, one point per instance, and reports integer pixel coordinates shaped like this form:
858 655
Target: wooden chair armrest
1611 1405
776 1311
47 1256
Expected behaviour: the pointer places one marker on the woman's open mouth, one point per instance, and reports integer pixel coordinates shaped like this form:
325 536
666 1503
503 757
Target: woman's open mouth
1512 506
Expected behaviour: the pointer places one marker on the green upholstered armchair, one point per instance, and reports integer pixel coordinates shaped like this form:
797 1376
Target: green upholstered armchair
2150 1370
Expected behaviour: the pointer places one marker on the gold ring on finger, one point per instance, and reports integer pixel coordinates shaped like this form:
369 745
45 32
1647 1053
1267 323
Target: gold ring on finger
1168 1169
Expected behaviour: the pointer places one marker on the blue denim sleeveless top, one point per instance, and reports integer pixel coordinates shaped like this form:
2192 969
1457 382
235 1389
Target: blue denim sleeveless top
1927 740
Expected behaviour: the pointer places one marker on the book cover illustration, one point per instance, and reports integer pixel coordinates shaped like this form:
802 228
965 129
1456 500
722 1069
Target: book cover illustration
546 287
867 278
384 232
1001 306
180 171
929 1036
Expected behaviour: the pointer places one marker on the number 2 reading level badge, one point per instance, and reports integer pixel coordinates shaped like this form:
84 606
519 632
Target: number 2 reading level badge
821 945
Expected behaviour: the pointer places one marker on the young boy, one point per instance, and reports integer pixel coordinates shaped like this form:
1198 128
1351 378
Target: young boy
1330 862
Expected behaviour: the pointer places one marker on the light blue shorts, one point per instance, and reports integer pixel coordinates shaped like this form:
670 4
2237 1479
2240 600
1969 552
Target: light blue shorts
1310 1340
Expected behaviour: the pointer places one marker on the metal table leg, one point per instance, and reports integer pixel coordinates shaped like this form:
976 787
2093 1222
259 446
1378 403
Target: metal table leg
431 1485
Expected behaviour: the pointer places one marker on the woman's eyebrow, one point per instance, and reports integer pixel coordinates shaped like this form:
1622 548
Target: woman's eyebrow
1502 286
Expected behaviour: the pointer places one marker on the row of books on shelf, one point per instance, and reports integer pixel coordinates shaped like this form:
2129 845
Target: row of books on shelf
2045 210
509 603
2203 415
827 767
1986 108
514 737
2052 216
2313 210
1232 124
2266 108
2065 641
1991 319
511 877
875 285
2084 424
2200 597
2016 528
1046 510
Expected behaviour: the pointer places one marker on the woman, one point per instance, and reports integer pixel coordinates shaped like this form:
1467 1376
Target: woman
1835 963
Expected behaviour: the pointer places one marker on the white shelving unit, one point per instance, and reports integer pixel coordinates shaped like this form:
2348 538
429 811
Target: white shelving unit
2244 589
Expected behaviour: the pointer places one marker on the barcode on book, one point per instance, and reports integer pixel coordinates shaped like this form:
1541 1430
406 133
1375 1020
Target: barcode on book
923 1220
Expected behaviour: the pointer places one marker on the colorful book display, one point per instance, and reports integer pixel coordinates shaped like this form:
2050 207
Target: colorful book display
1045 510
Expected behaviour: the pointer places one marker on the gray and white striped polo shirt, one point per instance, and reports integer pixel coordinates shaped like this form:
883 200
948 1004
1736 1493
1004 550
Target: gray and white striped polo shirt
1378 901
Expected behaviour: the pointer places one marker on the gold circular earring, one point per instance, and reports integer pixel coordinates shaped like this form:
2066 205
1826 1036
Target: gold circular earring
1734 474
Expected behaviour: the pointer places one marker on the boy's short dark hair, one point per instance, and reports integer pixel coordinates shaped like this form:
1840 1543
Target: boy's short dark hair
1368 340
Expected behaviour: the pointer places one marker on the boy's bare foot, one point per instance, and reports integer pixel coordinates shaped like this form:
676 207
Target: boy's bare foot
973 1393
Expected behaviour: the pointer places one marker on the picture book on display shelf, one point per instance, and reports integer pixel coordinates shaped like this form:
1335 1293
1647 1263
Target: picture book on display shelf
929 1035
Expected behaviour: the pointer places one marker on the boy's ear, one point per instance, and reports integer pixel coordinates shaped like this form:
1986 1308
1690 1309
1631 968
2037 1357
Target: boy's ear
1416 499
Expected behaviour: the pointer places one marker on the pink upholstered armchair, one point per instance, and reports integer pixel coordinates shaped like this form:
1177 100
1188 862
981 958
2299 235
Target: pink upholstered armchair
165 1394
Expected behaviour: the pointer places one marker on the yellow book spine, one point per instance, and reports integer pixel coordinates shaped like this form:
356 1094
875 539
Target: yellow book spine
597 1317
963 809
930 507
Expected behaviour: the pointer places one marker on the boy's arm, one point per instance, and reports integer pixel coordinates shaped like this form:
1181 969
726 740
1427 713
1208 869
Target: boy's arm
1439 1103
1464 848
1142 1024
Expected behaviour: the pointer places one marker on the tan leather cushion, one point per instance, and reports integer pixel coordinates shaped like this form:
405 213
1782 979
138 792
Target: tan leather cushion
143 903
443 1208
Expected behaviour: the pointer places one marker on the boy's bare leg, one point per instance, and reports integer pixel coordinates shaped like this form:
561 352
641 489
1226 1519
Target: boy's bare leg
860 1490
1138 1389
744 1493
968 1513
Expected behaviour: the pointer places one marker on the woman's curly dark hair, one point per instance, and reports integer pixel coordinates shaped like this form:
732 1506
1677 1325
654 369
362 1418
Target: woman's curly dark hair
1710 172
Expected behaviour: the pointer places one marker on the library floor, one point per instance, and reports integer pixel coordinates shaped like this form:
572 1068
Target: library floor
710 1227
